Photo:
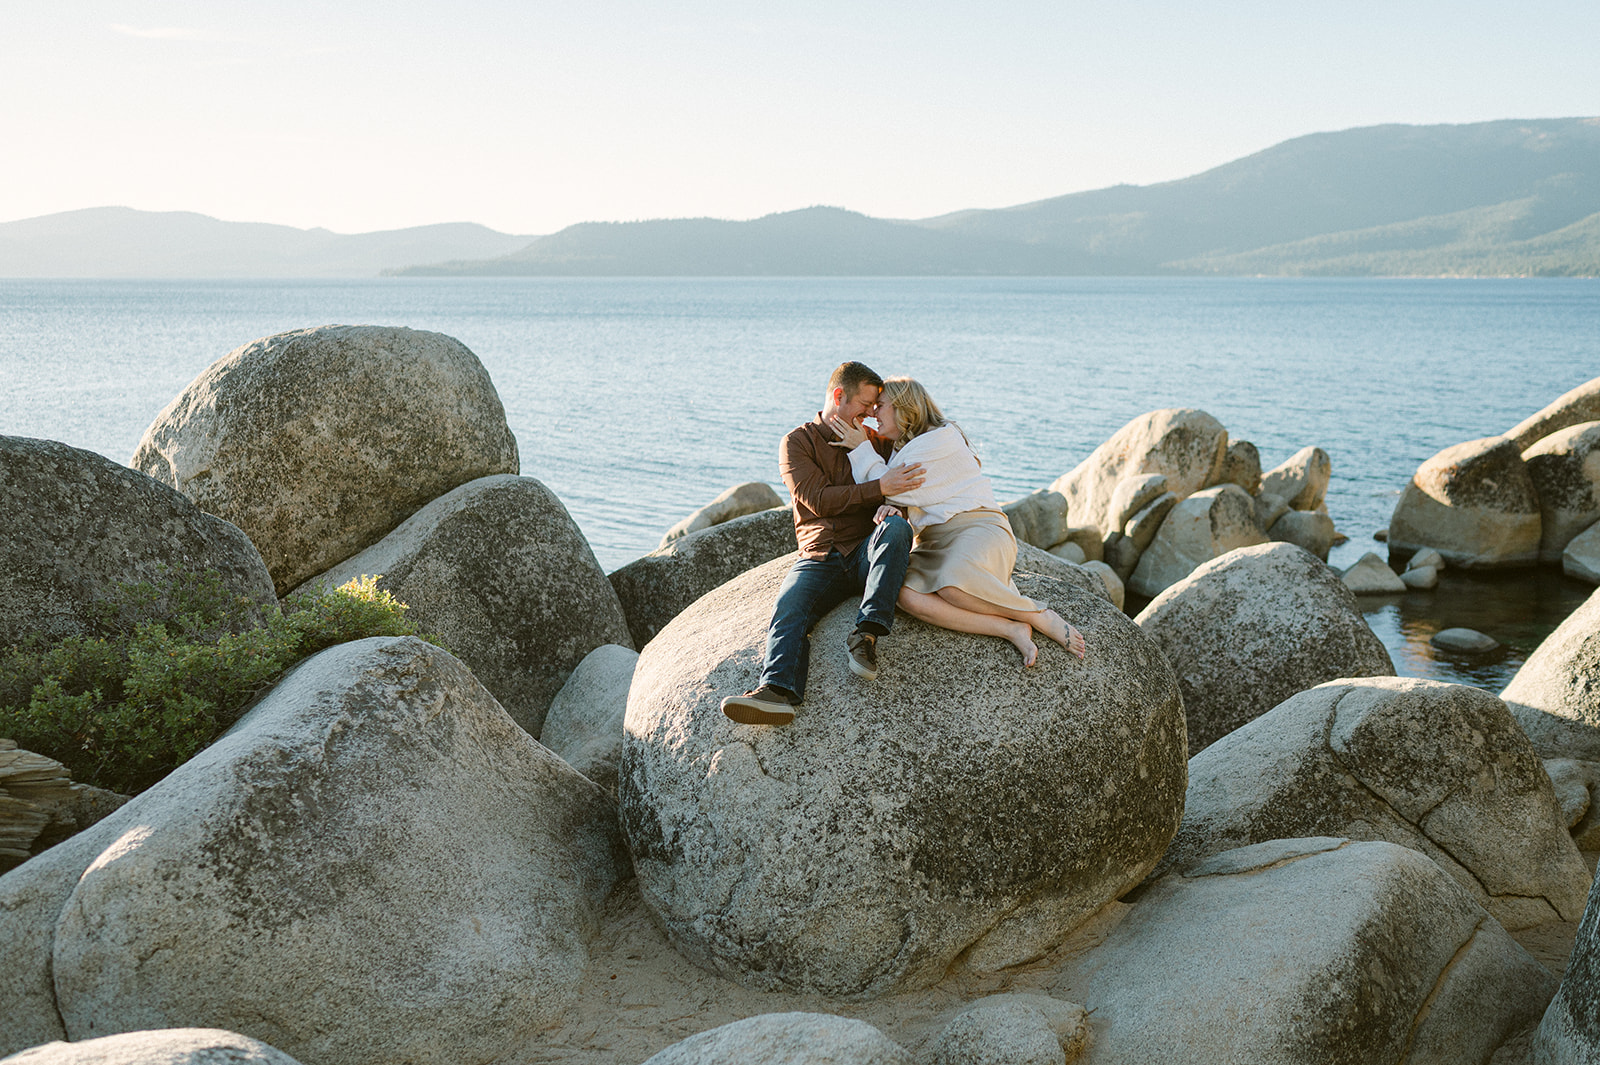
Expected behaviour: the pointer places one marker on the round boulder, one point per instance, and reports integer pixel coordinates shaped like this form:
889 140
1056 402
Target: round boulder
584 725
1309 529
959 804
1582 404
1202 527
1301 480
787 1039
318 442
500 572
1247 630
748 498
1187 446
74 526
1553 694
165 1046
1474 503
1565 467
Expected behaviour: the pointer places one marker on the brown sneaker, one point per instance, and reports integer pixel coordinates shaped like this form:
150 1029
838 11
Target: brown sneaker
863 648
765 705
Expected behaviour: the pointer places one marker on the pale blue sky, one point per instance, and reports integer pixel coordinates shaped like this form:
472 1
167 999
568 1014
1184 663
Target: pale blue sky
528 116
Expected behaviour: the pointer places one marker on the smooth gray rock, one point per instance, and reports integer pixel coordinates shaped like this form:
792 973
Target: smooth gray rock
1187 446
1202 527
1089 539
1132 495
847 853
1565 468
1270 508
1016 1029
1301 480
1581 559
320 441
654 589
1309 529
498 569
1039 518
374 865
1569 1033
1306 955
75 525
1122 555
1242 466
1570 779
748 498
1556 694
1070 552
167 1046
1142 527
584 725
1582 404
1426 558
1464 641
1247 630
1440 768
1115 591
1371 575
787 1039
1474 503
1420 578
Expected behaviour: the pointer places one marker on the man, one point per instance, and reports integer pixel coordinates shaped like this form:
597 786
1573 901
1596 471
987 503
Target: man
842 552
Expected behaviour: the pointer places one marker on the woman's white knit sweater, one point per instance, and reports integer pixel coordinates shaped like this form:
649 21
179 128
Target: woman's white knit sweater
952 480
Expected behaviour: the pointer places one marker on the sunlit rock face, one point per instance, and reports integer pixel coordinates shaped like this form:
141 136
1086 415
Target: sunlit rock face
1474 503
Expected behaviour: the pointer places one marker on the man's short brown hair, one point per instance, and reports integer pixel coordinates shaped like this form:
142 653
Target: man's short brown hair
850 376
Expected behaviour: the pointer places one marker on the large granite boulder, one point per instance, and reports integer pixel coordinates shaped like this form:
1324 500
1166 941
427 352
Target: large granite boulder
1301 480
318 442
1247 630
654 589
1308 952
1440 768
1186 446
1474 503
1569 1033
1565 468
1039 518
1581 559
1582 404
748 498
74 526
584 725
500 572
1202 527
166 1046
1555 696
374 865
787 1039
958 806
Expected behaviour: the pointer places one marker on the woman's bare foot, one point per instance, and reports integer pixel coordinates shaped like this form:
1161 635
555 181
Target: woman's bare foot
1055 626
1020 636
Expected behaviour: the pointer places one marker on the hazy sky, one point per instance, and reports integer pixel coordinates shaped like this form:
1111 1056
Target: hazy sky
529 115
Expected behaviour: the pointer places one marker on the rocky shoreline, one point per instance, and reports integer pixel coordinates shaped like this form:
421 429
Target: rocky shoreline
1230 834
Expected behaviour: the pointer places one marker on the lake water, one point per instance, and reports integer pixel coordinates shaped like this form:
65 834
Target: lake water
638 400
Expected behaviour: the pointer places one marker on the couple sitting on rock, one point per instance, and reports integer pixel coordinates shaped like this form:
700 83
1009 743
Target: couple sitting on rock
861 497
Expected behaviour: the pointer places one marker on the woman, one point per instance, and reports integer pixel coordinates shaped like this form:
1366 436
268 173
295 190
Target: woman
960 573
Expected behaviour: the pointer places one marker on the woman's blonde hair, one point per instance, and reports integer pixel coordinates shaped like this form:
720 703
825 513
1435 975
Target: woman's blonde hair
914 410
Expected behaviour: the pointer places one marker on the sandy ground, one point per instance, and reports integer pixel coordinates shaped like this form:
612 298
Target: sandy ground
639 996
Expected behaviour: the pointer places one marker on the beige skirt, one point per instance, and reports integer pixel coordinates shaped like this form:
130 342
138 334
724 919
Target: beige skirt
974 551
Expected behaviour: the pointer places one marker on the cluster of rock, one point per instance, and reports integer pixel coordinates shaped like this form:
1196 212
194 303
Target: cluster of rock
1531 495
1168 492
1228 834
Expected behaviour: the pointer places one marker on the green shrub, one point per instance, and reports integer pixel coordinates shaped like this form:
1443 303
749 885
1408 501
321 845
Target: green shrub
168 669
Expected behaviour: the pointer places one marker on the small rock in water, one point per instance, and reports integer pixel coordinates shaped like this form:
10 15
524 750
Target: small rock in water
1464 641
1427 558
1382 536
1372 576
1420 577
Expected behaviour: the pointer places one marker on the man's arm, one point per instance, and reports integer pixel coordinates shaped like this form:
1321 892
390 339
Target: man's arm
810 486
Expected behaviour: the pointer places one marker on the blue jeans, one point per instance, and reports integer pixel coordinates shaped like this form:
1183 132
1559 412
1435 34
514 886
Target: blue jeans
874 570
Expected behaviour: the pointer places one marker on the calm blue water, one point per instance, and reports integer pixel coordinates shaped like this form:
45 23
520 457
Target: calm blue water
638 400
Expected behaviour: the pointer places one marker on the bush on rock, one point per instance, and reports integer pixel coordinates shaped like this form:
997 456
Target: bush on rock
959 804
